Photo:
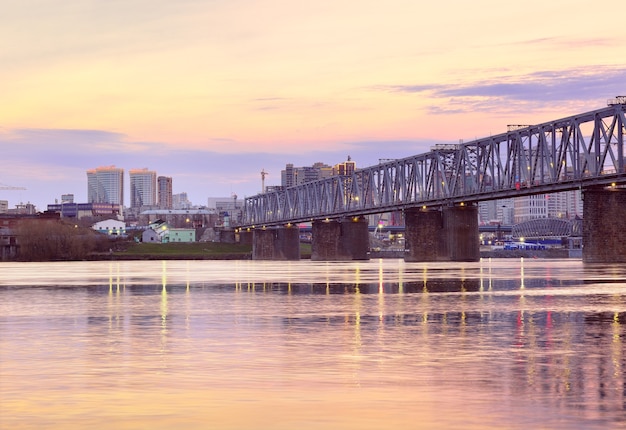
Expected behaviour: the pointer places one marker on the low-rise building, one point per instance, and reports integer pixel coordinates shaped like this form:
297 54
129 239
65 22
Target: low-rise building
111 227
160 231
186 235
183 218
155 232
84 210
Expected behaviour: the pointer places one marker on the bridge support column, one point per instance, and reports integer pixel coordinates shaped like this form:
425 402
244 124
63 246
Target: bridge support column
227 235
448 235
245 237
276 243
461 226
423 235
344 240
604 225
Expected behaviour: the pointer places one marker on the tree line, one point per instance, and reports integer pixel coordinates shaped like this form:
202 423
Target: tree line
57 240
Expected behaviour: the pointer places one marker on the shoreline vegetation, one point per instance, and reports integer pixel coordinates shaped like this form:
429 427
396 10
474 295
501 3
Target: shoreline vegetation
177 251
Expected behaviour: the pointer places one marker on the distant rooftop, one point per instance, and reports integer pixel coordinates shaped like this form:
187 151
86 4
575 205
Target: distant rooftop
178 212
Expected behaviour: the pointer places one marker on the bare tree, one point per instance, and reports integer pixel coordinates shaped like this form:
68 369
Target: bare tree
51 239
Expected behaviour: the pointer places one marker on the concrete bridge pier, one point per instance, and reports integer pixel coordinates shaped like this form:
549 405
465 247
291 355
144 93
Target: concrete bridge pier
424 235
604 225
245 236
447 235
340 240
461 226
227 235
276 243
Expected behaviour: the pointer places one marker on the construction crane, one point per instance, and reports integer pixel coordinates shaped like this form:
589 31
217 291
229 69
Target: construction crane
263 175
9 187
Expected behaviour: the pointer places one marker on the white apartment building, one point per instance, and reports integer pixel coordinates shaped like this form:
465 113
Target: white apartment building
566 205
105 185
143 188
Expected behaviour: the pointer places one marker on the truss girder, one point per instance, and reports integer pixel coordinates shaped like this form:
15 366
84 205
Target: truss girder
556 156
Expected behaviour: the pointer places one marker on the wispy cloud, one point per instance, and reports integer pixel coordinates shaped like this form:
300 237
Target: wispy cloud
567 42
550 86
537 88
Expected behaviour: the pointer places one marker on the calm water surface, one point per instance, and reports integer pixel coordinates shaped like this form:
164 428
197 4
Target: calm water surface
382 344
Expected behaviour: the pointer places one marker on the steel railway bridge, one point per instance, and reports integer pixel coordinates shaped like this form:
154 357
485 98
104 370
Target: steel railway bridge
569 153
577 152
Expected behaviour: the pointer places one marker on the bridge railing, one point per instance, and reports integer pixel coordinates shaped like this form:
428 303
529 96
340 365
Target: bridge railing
569 153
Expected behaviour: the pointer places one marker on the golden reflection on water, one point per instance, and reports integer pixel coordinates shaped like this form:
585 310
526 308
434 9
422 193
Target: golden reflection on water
367 345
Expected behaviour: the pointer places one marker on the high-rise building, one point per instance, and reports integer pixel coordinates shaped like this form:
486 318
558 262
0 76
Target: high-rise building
288 176
142 188
346 168
181 201
105 185
567 205
293 176
164 192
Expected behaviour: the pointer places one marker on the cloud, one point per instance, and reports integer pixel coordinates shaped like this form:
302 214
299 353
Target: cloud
547 86
508 91
563 42
65 147
408 88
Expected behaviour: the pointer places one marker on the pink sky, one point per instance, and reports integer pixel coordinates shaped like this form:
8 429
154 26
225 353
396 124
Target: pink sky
212 92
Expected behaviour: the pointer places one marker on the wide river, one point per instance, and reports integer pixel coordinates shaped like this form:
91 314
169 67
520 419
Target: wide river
380 344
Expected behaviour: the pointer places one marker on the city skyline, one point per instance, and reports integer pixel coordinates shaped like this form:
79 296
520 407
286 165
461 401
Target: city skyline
212 94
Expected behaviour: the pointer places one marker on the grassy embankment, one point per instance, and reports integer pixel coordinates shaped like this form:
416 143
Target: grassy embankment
191 251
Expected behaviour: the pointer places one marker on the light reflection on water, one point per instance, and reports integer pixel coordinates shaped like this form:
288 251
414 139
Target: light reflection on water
307 345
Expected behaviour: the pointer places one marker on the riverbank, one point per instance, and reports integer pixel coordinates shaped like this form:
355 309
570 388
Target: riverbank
183 251
500 253
227 251
175 251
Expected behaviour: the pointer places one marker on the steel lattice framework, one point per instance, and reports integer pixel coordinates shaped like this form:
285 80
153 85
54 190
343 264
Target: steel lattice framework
569 153
548 227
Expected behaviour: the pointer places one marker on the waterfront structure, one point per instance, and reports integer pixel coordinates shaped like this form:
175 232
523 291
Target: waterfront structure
142 188
105 185
164 192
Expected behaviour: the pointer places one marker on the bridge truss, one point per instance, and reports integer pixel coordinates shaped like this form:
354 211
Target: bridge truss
569 153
